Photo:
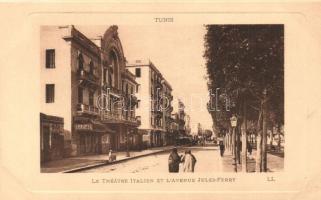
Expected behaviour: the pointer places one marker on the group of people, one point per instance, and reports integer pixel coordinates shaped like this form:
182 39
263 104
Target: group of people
222 148
174 160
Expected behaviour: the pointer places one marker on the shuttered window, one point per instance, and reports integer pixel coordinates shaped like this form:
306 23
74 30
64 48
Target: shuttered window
50 93
50 58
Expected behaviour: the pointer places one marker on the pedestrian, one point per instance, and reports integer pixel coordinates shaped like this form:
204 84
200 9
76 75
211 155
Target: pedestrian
111 156
173 161
189 161
222 148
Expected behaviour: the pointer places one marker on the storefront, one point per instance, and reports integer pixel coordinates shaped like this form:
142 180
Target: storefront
93 136
51 137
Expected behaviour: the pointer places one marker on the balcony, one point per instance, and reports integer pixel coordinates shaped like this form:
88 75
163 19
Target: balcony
139 120
113 117
87 109
88 79
134 120
158 85
131 100
112 91
170 109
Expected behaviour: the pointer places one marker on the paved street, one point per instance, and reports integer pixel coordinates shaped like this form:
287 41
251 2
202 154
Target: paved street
156 160
208 160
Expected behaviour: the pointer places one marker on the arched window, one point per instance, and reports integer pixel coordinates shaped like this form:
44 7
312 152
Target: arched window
80 62
114 68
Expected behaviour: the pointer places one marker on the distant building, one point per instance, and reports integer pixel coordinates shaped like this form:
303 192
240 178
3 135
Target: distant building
181 117
154 107
86 83
187 124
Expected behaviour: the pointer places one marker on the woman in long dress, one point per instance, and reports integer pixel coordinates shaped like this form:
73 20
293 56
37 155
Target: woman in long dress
189 161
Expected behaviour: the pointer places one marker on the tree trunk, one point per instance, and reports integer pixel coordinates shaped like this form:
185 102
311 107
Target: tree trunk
227 147
225 140
244 140
258 153
258 140
279 138
271 138
230 141
233 142
238 146
234 149
264 134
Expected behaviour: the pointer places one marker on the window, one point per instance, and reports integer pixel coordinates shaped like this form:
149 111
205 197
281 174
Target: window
50 93
138 104
137 88
131 90
50 58
91 98
110 79
91 67
104 102
80 95
126 91
105 75
137 72
80 62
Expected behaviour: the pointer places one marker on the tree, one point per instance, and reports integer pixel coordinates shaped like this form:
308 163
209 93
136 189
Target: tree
247 62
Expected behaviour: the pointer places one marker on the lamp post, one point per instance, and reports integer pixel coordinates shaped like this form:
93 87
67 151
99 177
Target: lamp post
127 144
233 120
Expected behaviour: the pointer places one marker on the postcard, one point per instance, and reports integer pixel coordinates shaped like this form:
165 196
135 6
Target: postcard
182 101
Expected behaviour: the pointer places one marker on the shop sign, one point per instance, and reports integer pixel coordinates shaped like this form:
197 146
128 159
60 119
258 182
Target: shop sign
83 127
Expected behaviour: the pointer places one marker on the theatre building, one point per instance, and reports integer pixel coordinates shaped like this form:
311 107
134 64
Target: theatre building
80 81
119 86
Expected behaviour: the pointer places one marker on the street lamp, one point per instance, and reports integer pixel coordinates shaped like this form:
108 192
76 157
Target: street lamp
233 120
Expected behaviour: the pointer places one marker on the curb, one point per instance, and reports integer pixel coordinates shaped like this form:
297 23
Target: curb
111 163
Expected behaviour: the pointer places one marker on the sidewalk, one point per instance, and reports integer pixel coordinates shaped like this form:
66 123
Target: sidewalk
275 163
82 162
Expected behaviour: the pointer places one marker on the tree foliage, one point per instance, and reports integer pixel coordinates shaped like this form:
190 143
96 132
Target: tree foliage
246 61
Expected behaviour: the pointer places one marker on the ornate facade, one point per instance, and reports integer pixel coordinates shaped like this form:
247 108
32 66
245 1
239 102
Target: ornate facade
93 90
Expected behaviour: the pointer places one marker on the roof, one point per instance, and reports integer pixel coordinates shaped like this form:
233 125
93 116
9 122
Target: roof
148 63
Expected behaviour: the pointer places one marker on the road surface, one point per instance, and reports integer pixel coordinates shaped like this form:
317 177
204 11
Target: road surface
208 160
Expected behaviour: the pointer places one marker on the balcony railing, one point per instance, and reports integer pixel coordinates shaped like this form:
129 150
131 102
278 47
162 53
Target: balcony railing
170 109
158 85
112 91
109 115
116 117
88 109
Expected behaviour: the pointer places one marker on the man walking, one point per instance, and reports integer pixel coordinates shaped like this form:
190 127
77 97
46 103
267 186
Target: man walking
222 148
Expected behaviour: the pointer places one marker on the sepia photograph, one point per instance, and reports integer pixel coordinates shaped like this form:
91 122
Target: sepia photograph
160 100
210 100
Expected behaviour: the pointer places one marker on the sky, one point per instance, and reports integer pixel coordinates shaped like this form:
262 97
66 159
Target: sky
177 51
